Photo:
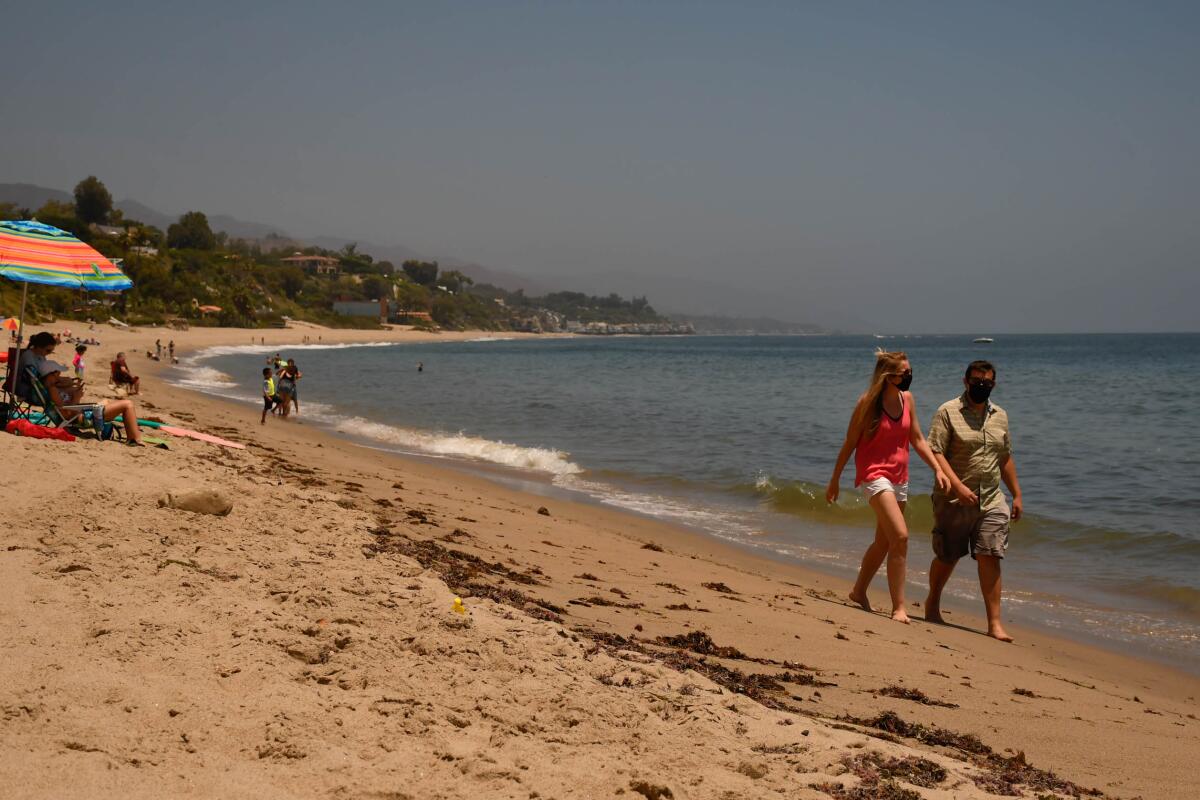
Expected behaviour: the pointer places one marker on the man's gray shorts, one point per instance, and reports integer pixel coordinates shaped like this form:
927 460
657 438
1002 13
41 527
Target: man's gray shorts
959 530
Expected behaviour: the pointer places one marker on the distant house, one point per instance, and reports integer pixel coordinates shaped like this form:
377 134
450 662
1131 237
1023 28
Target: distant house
361 308
412 318
321 265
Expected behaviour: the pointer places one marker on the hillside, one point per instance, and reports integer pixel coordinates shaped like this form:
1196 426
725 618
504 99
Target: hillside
197 271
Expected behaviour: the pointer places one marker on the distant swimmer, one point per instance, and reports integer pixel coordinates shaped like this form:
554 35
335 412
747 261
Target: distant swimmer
882 427
420 366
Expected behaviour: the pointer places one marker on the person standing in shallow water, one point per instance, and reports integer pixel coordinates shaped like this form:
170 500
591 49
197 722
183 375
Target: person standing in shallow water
883 426
970 440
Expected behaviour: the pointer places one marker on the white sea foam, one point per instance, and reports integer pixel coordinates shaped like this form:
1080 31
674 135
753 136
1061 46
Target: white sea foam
196 377
270 349
719 522
492 339
460 445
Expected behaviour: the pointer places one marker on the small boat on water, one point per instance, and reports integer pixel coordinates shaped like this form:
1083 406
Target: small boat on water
984 340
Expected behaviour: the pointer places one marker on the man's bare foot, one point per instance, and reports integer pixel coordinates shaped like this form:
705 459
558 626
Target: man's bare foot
861 601
997 632
933 613
900 615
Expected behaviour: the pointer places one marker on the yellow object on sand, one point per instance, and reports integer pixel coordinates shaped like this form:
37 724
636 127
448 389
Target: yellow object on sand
458 607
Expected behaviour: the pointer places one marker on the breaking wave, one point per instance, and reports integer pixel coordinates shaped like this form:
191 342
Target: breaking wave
460 445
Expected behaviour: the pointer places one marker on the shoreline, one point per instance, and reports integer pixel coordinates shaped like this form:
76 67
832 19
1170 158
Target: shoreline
1039 617
582 553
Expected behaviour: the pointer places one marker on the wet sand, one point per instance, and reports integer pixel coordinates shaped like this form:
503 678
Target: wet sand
305 645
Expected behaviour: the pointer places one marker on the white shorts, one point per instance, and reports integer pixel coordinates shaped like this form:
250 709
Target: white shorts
874 487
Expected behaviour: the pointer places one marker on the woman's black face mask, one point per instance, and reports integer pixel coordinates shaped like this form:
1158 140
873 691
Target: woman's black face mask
905 381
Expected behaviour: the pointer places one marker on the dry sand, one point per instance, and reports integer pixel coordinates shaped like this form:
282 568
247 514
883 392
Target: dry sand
305 645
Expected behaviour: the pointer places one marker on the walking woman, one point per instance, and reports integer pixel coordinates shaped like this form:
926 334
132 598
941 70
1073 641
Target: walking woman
882 427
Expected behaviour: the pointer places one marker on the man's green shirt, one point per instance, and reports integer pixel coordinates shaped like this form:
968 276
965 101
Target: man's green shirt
974 444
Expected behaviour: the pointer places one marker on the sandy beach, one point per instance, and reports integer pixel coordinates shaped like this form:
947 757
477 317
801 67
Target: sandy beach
306 643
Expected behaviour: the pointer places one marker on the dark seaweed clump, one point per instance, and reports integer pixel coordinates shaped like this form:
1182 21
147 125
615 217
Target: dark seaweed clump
915 695
466 573
1002 775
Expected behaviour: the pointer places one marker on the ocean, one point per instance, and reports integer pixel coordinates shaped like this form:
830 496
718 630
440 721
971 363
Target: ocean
735 436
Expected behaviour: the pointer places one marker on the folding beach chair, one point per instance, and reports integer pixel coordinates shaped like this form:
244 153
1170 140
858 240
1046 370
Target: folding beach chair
90 416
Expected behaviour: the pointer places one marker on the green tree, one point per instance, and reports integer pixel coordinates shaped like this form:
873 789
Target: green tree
454 281
93 203
191 232
62 215
291 280
13 211
375 287
421 272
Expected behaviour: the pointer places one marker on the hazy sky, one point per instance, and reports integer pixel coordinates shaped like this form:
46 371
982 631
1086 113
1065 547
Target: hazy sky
893 166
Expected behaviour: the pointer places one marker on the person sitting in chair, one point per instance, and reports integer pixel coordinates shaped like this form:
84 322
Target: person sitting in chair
66 392
121 376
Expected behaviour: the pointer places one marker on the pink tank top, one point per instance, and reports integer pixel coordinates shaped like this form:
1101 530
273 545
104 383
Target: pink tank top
884 455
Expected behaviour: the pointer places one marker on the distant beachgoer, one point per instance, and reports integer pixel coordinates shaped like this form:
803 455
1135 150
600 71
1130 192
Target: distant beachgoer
271 397
121 376
292 374
882 427
420 366
284 387
158 349
970 441
171 350
77 362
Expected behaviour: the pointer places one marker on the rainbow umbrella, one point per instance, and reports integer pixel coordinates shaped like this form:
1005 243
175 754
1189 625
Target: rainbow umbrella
31 252
10 324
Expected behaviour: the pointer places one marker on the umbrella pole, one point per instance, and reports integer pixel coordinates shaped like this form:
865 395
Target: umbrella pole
10 377
21 319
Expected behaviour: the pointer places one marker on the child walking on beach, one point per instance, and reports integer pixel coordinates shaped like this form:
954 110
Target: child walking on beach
882 427
77 362
270 396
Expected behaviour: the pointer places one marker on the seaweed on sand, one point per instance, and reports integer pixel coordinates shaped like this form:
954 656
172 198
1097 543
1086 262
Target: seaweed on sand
1001 775
466 573
883 790
915 695
874 767
700 642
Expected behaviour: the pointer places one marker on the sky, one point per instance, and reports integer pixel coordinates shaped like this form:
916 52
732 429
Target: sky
880 167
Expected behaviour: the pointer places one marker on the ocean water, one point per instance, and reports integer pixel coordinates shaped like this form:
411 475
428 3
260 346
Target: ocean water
736 437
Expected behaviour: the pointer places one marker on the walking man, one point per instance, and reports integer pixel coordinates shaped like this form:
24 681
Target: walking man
970 440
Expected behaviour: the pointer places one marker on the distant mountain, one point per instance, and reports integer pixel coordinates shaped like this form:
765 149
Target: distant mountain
27 195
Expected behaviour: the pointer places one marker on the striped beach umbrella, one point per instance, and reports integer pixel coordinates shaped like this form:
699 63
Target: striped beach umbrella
31 252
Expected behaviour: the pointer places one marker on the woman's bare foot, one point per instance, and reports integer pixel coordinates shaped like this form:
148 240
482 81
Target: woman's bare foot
900 615
997 632
861 601
933 613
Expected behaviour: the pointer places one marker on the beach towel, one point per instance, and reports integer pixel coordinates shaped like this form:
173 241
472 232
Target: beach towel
23 427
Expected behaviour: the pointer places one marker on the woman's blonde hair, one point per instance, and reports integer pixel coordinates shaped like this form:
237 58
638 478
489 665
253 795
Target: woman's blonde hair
870 405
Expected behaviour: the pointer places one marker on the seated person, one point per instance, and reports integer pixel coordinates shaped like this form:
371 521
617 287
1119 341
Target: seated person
64 390
121 376
41 345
